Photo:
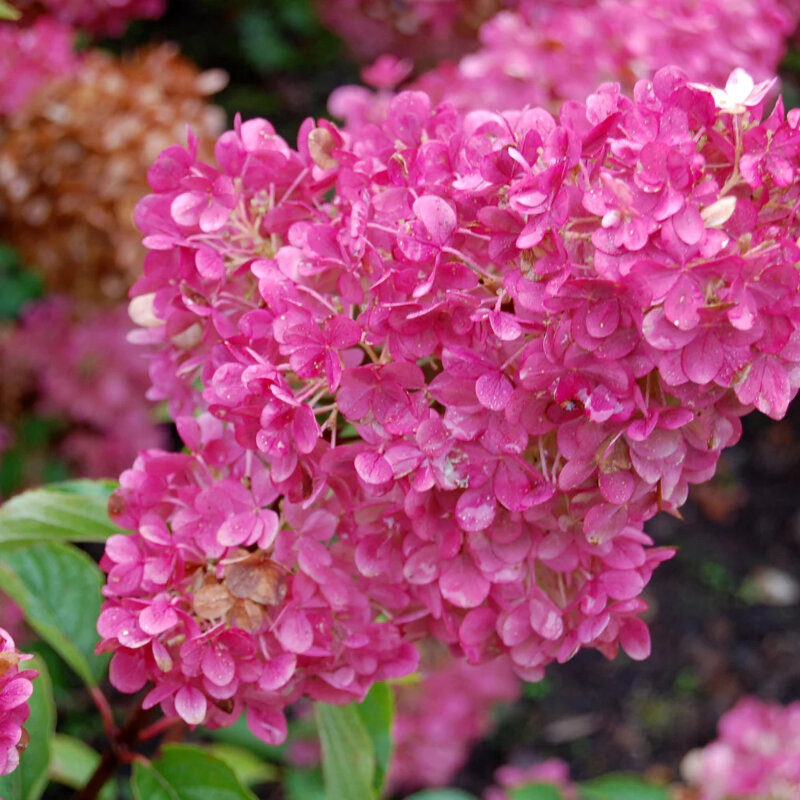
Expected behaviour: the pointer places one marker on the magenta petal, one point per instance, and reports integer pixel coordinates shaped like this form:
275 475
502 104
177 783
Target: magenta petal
635 638
373 468
267 724
475 509
277 672
689 225
235 530
545 619
622 584
15 693
493 390
702 358
191 705
462 584
186 208
213 218
438 217
218 665
158 617
127 672
295 632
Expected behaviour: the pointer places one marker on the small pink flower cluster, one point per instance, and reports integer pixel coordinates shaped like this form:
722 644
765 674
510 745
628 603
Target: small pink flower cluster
83 371
441 716
29 57
227 604
446 369
546 52
15 690
553 771
99 17
757 755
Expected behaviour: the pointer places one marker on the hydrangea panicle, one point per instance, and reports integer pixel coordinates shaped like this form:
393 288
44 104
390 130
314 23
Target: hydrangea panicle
439 717
79 369
463 357
31 56
757 754
543 53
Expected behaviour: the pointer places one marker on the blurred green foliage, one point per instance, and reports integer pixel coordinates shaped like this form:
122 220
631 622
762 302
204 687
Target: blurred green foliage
281 62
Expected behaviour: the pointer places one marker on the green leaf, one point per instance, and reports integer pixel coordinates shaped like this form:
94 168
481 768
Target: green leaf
29 780
377 714
75 511
58 588
348 758
247 766
73 762
620 787
442 794
8 12
187 773
536 791
304 784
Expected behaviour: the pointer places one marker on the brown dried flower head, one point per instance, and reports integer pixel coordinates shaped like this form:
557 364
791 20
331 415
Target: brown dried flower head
74 161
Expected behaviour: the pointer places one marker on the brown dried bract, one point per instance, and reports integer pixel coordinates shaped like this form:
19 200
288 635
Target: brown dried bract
256 578
8 660
74 161
212 601
248 616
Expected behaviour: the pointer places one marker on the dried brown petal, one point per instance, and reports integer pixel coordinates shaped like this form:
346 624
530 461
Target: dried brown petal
8 660
320 144
212 601
248 616
258 579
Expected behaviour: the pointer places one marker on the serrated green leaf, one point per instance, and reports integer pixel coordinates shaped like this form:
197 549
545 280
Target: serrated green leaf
377 714
184 772
29 780
59 589
348 758
247 766
442 794
75 511
72 763
535 791
620 787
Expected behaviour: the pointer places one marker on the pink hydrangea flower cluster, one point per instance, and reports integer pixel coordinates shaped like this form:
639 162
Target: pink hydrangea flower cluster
553 771
446 368
756 755
422 28
15 690
99 17
82 370
31 56
543 53
440 717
